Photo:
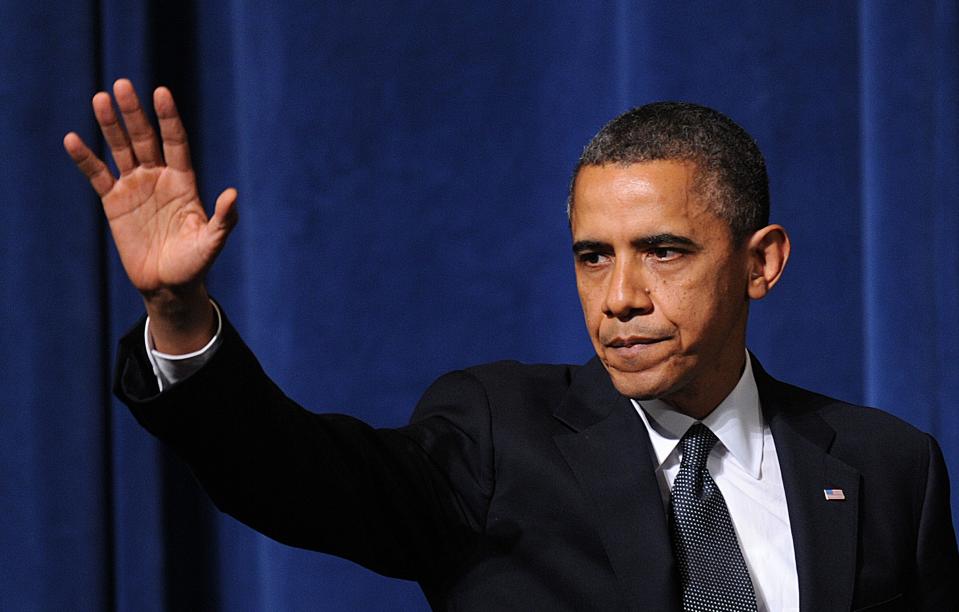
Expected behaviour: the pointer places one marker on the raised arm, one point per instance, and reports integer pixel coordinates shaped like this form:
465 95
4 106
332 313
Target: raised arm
165 239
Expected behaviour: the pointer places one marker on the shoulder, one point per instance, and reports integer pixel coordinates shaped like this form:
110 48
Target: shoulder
504 397
862 435
838 413
500 380
516 374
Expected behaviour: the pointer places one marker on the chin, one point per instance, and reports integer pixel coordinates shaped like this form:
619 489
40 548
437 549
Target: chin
643 385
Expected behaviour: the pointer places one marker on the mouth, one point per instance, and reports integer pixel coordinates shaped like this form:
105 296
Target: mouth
632 341
631 349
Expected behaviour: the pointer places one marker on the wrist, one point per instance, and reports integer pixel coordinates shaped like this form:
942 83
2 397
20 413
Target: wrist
181 321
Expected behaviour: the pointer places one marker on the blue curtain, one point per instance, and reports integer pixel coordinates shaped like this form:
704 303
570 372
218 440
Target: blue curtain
402 170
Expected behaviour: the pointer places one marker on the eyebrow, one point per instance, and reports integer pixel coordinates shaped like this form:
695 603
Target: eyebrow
661 239
644 242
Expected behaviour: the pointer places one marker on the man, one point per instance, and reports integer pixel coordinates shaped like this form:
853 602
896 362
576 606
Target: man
668 472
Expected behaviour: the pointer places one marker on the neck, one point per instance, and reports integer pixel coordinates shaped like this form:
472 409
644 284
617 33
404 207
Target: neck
699 400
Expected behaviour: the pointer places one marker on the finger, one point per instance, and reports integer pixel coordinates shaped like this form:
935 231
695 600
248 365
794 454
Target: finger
142 136
113 133
176 150
89 164
222 222
224 212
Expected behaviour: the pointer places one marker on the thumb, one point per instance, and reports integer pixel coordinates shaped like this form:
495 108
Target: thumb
222 222
224 213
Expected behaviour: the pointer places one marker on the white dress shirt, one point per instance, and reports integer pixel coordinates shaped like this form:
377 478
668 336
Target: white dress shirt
745 467
743 464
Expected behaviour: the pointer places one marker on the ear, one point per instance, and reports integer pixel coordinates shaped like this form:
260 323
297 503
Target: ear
767 253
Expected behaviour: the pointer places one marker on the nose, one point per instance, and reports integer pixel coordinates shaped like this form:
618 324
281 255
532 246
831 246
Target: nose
626 293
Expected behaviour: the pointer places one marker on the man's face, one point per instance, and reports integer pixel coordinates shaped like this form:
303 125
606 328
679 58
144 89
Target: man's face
663 289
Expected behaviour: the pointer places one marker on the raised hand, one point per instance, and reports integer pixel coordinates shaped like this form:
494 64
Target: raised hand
163 235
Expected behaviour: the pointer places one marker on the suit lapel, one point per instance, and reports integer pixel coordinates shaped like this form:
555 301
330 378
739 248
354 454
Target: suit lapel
609 452
825 533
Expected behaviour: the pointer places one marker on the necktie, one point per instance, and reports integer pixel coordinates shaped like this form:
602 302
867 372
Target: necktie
711 566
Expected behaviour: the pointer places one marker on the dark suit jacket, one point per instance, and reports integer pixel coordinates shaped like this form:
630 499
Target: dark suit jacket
531 487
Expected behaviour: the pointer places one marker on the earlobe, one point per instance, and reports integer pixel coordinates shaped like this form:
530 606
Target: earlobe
768 251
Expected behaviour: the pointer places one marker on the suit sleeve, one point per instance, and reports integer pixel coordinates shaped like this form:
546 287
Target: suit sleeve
937 560
382 498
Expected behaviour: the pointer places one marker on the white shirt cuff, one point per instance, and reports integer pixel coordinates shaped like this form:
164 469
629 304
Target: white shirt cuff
171 369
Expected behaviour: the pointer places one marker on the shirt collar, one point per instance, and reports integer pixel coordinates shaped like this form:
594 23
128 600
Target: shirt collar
737 421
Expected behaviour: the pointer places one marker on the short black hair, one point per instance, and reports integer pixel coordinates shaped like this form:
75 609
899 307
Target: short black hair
730 170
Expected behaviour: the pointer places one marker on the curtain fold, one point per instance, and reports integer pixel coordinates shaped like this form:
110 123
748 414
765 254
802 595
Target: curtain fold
910 161
402 171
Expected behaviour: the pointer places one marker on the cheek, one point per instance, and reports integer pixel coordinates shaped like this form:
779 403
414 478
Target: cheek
674 296
690 304
592 313
590 295
594 323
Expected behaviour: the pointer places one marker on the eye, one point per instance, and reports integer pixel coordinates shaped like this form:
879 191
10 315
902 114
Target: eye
591 258
666 253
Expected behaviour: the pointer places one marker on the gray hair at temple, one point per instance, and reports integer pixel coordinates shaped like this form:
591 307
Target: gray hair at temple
730 170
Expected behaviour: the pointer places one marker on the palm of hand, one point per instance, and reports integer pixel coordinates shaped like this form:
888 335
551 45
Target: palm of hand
159 227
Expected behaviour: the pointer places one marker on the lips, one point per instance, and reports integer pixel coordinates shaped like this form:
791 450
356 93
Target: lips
634 351
632 341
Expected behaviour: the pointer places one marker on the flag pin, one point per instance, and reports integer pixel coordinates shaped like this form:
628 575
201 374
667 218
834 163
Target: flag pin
834 494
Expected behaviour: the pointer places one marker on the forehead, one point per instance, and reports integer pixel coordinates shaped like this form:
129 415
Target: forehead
648 197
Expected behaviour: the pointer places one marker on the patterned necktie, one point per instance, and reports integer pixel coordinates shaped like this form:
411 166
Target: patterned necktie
711 566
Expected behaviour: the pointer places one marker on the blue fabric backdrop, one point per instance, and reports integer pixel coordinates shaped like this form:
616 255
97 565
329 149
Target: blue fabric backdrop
402 170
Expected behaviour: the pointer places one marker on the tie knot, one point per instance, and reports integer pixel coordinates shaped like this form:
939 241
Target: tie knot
696 445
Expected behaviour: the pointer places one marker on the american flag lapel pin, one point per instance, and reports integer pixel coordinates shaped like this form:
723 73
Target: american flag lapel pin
834 495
